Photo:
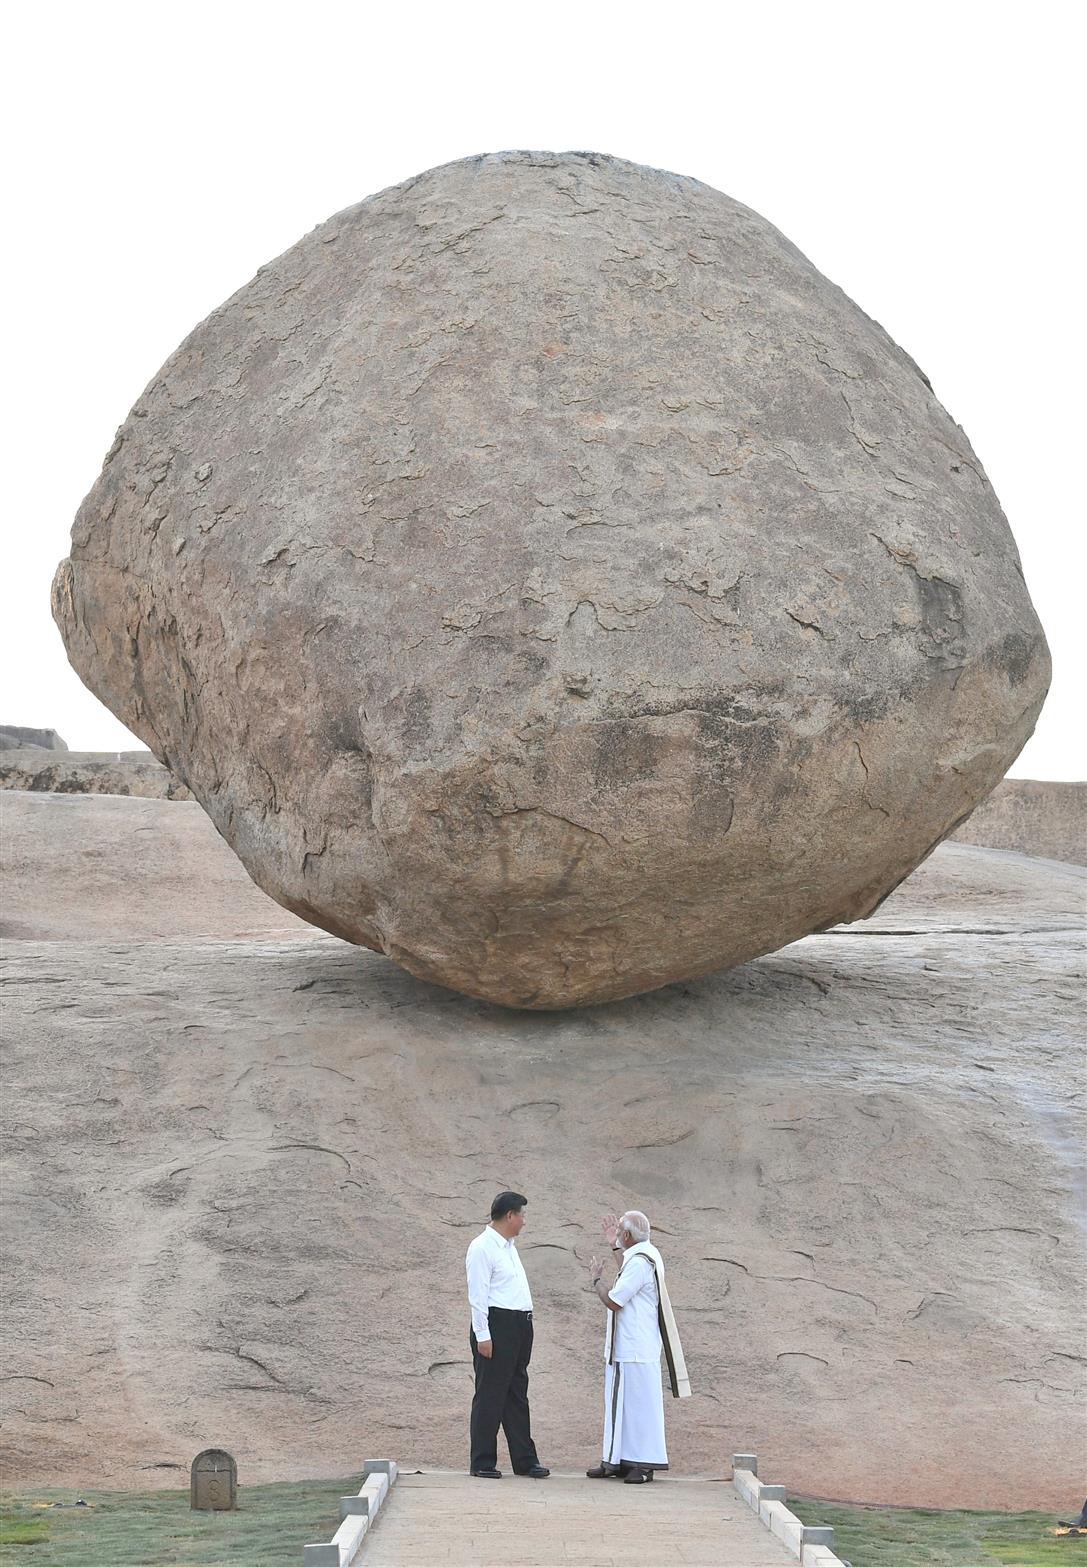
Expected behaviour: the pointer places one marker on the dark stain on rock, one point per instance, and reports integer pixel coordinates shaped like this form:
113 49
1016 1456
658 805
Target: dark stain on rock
865 706
625 752
1015 655
344 730
941 608
415 714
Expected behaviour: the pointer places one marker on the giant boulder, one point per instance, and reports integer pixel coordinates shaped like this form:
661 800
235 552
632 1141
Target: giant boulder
543 575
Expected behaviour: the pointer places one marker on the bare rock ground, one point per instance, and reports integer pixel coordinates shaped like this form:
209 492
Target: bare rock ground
95 867
244 1160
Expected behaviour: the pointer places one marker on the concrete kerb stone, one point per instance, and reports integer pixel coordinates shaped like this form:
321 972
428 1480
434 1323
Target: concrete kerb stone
375 1489
818 1534
745 1481
811 1544
349 1536
357 1513
381 1466
747 1488
775 1516
789 1530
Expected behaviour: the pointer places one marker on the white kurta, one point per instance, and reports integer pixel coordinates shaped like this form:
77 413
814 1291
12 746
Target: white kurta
633 1396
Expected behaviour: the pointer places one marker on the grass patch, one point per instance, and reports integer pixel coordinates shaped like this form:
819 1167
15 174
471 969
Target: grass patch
920 1537
18 1530
157 1528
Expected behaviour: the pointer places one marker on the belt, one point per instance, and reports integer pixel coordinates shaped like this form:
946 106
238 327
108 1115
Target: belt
510 1311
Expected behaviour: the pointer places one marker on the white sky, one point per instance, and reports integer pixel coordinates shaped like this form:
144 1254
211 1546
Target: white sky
924 156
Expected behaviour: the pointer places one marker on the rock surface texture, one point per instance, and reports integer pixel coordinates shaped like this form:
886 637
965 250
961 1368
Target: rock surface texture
543 575
244 1161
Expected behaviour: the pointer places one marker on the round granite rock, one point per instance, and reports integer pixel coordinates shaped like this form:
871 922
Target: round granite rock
542 574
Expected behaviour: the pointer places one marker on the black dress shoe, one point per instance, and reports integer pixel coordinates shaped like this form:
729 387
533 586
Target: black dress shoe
537 1472
605 1472
486 1474
638 1477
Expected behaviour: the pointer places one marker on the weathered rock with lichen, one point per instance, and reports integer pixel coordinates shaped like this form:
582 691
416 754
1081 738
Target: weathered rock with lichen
542 574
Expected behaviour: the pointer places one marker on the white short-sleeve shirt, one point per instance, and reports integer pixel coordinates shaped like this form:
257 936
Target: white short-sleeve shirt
637 1327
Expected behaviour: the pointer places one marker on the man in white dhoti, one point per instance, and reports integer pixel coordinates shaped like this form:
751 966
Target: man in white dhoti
639 1324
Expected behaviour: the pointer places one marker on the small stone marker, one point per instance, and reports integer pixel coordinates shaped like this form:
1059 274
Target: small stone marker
213 1482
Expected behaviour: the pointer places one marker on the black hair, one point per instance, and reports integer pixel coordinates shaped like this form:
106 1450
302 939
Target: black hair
507 1202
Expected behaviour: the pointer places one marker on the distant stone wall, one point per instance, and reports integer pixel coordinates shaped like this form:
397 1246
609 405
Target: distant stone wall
1047 820
89 772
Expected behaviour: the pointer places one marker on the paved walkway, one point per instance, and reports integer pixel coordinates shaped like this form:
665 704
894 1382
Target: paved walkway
450 1520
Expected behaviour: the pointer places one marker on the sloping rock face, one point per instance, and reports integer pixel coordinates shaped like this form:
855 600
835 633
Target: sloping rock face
244 1162
1029 816
14 737
89 772
91 868
543 575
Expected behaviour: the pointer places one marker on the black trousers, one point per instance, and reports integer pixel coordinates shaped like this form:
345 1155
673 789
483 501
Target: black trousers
501 1397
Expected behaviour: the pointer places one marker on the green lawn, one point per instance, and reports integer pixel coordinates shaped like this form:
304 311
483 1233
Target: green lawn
273 1522
913 1537
157 1529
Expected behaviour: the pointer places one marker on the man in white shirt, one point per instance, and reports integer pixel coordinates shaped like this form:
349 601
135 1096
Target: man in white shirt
639 1324
501 1340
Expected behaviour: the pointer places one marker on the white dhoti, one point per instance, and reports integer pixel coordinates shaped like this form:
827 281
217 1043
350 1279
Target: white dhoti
634 1414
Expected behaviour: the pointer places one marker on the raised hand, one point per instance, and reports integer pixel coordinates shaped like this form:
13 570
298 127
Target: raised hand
610 1225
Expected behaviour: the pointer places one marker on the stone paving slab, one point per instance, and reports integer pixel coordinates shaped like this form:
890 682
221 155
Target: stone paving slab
451 1520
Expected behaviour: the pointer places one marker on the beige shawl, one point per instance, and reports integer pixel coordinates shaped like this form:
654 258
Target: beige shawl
673 1349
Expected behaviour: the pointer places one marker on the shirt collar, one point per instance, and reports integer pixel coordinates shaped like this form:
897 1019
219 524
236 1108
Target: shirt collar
501 1239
